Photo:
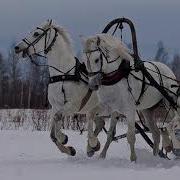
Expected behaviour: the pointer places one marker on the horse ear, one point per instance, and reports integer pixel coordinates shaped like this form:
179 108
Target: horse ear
98 41
50 22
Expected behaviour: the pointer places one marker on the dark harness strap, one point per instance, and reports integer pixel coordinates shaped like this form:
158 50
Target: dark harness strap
142 89
158 72
85 99
79 69
144 82
116 76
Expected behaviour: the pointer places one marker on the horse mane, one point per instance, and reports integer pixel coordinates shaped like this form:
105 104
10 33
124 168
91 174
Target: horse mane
110 43
65 35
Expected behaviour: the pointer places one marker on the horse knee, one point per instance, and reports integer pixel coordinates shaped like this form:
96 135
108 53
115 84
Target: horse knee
131 137
99 121
156 135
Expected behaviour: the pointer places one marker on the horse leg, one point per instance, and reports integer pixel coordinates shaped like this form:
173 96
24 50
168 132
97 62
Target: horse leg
166 141
151 123
100 123
61 137
111 133
131 136
58 137
93 142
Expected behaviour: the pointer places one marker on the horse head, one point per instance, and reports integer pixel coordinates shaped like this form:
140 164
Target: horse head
42 39
43 36
103 55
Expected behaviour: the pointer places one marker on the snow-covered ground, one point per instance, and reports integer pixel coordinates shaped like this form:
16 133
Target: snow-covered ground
26 155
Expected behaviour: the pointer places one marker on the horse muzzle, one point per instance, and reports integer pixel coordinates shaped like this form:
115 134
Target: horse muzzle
17 49
95 82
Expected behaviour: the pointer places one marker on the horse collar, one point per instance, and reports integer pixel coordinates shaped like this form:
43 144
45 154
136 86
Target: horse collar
117 75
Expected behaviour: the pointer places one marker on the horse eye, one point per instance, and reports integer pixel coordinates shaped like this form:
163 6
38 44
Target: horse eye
36 34
96 60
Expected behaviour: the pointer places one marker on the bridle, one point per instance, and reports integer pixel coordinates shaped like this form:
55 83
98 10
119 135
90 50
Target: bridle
103 55
47 47
65 76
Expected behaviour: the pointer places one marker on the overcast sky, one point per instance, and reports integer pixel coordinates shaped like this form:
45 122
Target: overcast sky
154 19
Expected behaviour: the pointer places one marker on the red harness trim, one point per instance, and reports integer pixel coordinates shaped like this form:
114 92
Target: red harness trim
116 76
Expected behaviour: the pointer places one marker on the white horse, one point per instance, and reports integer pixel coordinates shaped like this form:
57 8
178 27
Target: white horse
105 56
65 96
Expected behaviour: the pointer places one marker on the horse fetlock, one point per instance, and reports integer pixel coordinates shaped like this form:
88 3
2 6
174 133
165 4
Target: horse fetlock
92 147
98 146
62 138
93 142
90 151
166 141
133 157
155 149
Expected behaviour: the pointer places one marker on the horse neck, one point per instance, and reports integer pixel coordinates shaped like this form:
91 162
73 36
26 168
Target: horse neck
61 57
114 65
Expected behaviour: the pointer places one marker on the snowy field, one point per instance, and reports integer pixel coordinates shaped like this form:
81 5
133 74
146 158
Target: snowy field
26 155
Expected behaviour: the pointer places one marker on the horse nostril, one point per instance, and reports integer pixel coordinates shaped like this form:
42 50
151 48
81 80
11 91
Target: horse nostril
96 86
16 48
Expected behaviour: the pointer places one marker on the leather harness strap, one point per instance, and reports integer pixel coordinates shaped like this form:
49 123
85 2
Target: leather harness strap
117 75
85 99
79 70
66 76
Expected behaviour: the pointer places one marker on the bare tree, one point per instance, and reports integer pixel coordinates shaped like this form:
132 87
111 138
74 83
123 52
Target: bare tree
161 54
176 65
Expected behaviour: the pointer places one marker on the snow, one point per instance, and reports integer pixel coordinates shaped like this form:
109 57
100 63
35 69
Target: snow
26 155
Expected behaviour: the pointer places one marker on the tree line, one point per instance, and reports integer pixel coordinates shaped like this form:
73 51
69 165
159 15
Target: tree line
24 85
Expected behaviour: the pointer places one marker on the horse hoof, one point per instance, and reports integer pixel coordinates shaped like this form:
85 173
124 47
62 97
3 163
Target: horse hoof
72 151
168 148
65 140
97 148
90 153
133 159
102 156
